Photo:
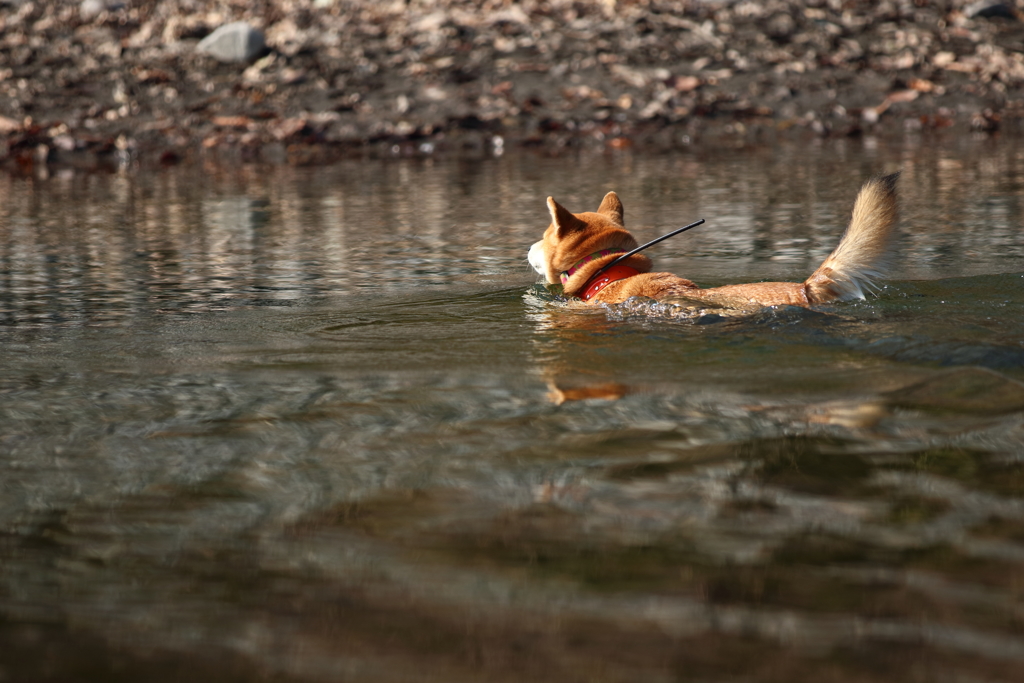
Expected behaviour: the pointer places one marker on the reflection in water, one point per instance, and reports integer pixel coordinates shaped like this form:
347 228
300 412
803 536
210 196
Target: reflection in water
317 424
96 248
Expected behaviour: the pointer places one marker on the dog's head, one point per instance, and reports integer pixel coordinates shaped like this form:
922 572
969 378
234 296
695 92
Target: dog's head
572 236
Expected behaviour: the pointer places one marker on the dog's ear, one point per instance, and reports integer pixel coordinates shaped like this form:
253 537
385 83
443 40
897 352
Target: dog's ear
565 222
612 207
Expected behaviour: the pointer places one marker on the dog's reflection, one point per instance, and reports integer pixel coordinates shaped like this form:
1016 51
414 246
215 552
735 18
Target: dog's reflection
569 355
567 392
578 355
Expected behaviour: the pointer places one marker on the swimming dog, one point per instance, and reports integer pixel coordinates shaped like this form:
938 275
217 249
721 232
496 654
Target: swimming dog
576 247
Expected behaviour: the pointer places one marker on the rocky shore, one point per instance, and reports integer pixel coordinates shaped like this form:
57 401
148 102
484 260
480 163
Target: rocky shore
112 83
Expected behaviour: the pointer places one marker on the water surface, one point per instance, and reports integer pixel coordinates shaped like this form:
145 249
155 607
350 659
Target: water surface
322 424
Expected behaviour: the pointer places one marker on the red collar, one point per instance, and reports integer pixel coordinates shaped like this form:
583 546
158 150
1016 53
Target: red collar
587 259
602 280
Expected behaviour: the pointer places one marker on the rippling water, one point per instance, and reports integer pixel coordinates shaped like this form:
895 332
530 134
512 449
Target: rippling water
321 424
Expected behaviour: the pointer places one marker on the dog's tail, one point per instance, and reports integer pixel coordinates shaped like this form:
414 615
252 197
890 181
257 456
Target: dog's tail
864 252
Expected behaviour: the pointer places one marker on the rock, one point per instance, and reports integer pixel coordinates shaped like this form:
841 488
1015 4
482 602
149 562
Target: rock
233 43
9 125
990 9
781 27
90 9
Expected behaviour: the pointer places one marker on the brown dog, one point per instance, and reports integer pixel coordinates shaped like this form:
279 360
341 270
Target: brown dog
577 246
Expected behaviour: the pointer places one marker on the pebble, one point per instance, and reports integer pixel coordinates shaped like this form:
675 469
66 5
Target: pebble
90 9
989 9
236 42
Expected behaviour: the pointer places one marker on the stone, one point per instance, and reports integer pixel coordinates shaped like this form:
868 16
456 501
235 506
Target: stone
90 9
990 9
236 42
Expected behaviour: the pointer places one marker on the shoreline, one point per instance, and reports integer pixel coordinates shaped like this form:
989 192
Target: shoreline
106 84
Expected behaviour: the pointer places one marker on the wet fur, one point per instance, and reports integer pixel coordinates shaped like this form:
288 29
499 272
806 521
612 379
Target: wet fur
851 270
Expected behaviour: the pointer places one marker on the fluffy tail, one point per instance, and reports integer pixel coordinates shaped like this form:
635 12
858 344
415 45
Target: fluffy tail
864 252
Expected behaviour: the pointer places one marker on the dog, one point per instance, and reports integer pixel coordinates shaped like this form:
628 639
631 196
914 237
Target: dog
576 248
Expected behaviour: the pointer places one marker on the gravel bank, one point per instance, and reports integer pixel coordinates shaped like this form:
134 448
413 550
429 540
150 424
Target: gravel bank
109 83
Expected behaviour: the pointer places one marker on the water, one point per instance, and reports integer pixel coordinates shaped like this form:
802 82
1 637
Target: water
321 424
